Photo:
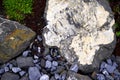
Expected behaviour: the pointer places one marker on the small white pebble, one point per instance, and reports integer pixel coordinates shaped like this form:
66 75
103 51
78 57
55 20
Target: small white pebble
48 64
57 76
10 66
36 57
35 61
55 63
25 53
74 68
48 57
16 69
39 49
6 69
22 73
109 61
39 38
44 77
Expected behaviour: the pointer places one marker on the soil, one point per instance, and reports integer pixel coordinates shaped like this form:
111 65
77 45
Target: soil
36 21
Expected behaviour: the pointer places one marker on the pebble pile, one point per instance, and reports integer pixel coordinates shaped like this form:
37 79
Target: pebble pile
33 65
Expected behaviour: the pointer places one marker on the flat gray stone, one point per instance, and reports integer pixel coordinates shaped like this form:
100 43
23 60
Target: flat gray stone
10 76
14 38
24 62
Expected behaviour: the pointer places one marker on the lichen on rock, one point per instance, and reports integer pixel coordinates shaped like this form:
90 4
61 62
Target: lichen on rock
81 29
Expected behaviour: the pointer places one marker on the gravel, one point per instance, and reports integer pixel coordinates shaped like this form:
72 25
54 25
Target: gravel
34 73
52 66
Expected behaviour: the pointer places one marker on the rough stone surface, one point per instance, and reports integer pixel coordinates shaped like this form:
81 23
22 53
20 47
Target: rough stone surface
74 76
9 76
14 38
81 29
24 62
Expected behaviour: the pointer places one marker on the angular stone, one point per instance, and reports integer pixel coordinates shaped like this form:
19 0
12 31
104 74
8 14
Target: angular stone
14 38
24 62
80 30
34 73
9 76
75 76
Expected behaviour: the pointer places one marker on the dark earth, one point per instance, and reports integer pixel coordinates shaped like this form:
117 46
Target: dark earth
36 21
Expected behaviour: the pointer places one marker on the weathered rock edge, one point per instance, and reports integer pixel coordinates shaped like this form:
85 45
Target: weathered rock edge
14 38
82 30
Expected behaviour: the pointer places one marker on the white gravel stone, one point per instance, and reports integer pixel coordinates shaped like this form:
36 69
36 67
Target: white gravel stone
35 61
55 63
105 72
102 66
25 53
100 77
74 68
109 61
36 57
38 66
10 66
34 73
6 69
39 49
48 57
48 64
22 73
57 76
39 38
16 69
44 77
110 68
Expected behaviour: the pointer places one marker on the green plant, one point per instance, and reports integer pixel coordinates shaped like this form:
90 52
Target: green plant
17 9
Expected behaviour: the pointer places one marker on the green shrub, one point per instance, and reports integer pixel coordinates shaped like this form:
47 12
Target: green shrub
17 9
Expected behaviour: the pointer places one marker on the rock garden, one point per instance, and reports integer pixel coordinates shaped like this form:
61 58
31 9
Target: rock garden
59 40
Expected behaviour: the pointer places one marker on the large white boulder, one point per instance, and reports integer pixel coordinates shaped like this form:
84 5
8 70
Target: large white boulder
81 29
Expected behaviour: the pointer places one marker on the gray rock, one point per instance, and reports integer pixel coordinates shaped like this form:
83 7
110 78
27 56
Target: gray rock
24 78
21 73
39 38
57 77
74 76
16 69
102 66
6 69
9 76
48 57
80 30
105 72
109 77
48 64
109 61
34 73
100 77
14 38
74 67
25 53
24 62
110 68
44 77
55 63
42 62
